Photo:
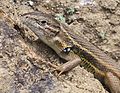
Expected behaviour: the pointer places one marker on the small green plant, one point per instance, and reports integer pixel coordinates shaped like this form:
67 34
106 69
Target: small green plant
70 11
60 17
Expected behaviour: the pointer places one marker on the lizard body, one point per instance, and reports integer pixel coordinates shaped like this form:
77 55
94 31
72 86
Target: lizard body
69 45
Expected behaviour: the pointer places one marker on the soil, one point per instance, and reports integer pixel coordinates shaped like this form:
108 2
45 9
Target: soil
23 62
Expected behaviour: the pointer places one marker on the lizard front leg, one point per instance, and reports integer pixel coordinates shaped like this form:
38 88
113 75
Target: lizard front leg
112 82
67 66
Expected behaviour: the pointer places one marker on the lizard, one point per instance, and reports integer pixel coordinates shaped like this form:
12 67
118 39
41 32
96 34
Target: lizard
74 48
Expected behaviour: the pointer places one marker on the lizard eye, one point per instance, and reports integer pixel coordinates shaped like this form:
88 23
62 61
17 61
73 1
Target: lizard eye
43 22
67 49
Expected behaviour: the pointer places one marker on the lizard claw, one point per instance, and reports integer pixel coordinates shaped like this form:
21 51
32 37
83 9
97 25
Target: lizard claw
56 68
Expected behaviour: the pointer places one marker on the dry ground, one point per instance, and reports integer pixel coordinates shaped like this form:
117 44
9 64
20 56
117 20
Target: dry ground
22 61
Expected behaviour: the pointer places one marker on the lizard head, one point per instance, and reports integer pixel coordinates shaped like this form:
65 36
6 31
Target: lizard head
48 30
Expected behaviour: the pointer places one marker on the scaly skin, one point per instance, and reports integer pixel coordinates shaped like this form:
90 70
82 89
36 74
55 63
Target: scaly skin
69 45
